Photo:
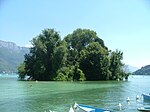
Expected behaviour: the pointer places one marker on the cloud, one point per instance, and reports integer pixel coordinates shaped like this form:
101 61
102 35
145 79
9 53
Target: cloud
28 45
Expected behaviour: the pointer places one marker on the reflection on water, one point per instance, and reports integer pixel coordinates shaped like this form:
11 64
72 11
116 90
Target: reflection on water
29 96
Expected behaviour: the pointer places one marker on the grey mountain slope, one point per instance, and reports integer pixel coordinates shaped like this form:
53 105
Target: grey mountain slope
11 56
143 71
129 68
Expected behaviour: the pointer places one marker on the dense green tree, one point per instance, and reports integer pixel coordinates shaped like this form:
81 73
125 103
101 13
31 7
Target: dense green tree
116 65
78 74
39 62
65 74
21 71
81 38
95 62
69 74
78 41
80 56
59 57
79 44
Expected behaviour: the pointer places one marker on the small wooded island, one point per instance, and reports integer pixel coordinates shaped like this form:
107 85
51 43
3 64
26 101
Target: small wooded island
80 56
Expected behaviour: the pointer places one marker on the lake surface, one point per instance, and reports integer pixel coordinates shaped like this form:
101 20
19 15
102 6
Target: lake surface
29 96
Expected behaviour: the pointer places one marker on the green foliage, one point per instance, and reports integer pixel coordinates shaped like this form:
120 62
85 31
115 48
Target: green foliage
116 65
79 56
95 63
69 74
21 71
39 62
78 75
64 74
78 41
59 56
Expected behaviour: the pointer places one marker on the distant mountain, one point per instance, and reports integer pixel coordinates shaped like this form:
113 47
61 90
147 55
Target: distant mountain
11 56
129 68
132 68
143 71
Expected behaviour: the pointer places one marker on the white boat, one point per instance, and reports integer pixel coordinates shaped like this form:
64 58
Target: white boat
146 109
85 108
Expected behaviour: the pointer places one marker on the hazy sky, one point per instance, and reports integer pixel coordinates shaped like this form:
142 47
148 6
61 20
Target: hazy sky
122 24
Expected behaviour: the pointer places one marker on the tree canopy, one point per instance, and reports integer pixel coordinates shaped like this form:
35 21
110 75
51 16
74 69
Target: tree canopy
80 56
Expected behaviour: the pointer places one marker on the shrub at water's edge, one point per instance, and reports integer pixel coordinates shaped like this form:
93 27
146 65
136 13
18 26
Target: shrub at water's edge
80 56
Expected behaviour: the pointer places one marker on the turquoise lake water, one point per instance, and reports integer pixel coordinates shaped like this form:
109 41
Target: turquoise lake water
29 96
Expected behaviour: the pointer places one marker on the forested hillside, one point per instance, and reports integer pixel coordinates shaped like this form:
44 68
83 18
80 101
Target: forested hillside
11 56
143 71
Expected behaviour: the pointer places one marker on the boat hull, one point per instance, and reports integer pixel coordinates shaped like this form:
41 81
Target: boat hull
85 108
144 109
146 97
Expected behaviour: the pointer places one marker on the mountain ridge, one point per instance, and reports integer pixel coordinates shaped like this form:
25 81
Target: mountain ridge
11 56
11 45
145 70
129 68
